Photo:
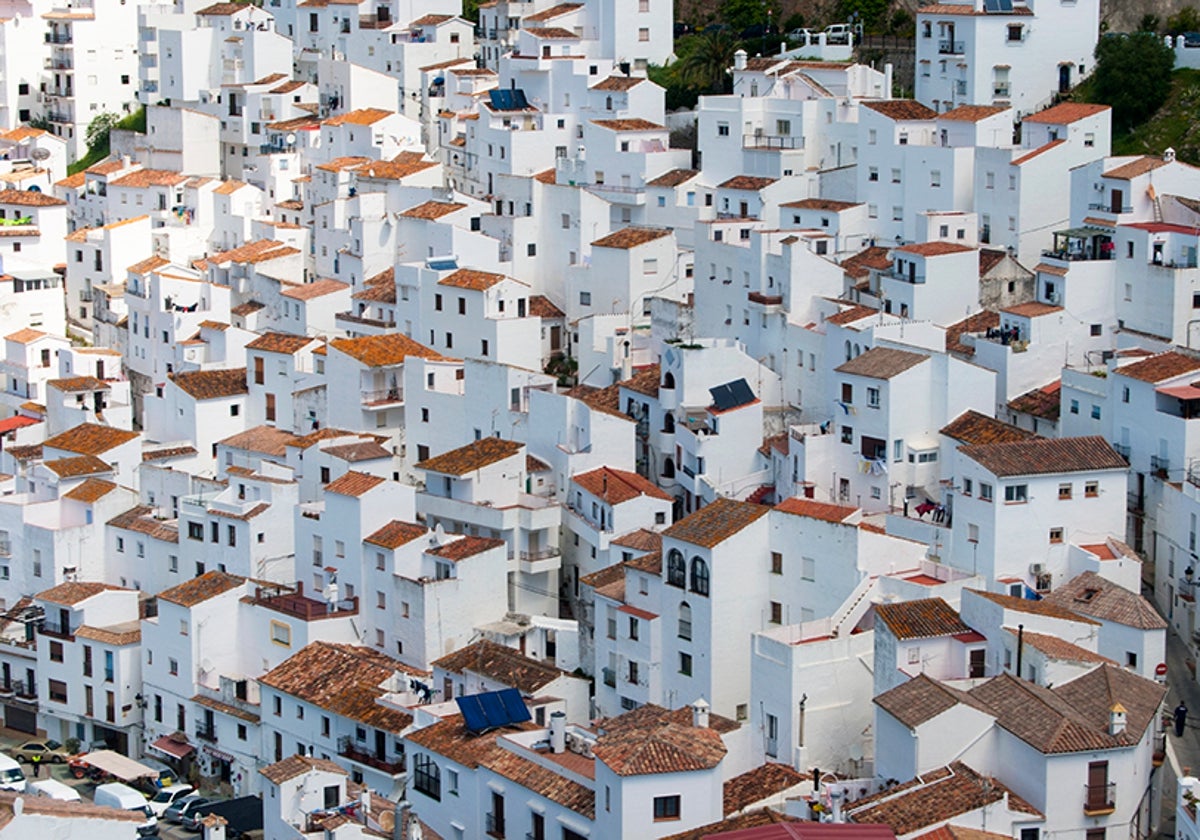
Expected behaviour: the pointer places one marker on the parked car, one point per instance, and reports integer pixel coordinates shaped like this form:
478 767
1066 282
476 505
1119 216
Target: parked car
51 751
190 819
178 809
151 785
758 30
838 33
808 36
11 777
125 798
167 797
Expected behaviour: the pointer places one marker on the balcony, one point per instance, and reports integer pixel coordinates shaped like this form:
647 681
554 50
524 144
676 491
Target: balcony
951 48
294 602
771 141
960 87
59 38
206 732
361 754
609 676
543 560
1001 91
494 825
25 691
1100 799
59 117
51 627
1122 450
1160 465
58 63
378 323
1109 207
383 397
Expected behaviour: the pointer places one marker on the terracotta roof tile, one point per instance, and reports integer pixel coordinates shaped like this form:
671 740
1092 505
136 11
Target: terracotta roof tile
741 822
921 699
658 747
91 490
363 450
362 116
972 427
1040 402
1032 309
630 237
473 456
226 708
616 486
966 9
827 204
1026 605
973 113
296 766
144 178
715 522
541 306
212 384
552 12
618 83
901 109
25 335
117 635
71 593
28 198
881 363
824 511
77 466
924 618
555 33
266 440
979 322
223 9
1043 456
433 209
1065 113
650 562
200 589
316 289
466 278
875 257
644 382
464 547
674 178
934 249
253 252
89 439
747 182
276 342
401 166
431 20
1134 168
449 738
755 785
501 664
168 452
383 350
77 384
629 124
353 484
1090 594
542 781
1056 648
396 533
1160 367
342 679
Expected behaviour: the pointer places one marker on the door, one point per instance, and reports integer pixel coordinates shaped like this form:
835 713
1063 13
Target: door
380 744
555 339
976 663
496 818
1118 201
1097 786
1064 78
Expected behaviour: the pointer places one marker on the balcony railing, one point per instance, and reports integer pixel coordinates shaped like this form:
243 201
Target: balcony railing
950 47
494 825
609 676
59 117
771 141
362 754
60 63
382 396
51 627
62 38
1122 450
1001 91
1108 207
1160 464
544 554
24 690
1100 799
206 732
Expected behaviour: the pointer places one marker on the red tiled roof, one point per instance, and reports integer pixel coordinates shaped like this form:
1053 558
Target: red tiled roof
972 427
824 511
715 522
1160 367
353 483
616 486
1044 456
924 618
473 456
1065 113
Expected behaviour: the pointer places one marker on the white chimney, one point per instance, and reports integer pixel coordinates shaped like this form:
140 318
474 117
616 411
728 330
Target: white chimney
700 714
331 595
1116 719
835 801
1169 155
558 732
739 60
365 801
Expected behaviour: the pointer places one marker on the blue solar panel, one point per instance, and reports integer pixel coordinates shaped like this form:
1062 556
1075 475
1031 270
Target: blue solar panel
519 101
473 716
493 709
514 705
442 265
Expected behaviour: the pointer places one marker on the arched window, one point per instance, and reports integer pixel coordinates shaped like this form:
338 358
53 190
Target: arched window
848 356
668 468
668 423
857 350
685 621
676 569
668 380
699 576
427 778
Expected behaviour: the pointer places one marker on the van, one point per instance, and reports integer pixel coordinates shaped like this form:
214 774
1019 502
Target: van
11 777
53 789
122 796
838 33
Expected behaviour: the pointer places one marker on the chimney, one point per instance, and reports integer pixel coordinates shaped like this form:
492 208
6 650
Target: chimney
700 714
365 802
1116 720
836 795
558 733
739 60
331 595
400 811
604 484
1169 155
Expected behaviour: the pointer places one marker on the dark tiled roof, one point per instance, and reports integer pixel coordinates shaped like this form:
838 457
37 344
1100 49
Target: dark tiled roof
1044 456
979 322
972 427
1090 594
501 664
464 547
1160 367
616 486
200 589
901 109
473 456
757 784
212 384
1041 402
923 618
715 522
1026 605
921 699
881 363
670 748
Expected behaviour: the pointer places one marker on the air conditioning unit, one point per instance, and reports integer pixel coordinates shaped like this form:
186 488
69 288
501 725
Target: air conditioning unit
1037 568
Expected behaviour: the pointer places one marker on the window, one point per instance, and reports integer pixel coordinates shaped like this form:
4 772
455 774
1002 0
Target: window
633 628
121 545
1125 394
1064 491
776 563
699 576
895 176
1018 493
1130 659
985 491
676 569
1056 535
972 532
776 612
643 34
173 667
666 808
56 652
1074 408
872 398
685 621
873 173
58 691
1095 412
808 568
1014 32
281 634
935 180
585 298
427 777
722 129
1091 488
1097 329
685 664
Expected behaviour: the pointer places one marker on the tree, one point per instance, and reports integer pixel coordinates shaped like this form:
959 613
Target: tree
742 14
705 66
99 128
1149 23
1133 75
1186 19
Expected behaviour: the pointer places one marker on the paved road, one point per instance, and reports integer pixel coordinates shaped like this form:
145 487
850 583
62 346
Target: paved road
1183 754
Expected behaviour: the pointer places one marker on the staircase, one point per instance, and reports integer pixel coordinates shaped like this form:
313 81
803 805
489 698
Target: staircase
759 496
854 607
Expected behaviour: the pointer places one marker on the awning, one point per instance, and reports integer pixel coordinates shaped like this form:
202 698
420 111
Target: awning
169 746
115 764
1084 232
17 422
218 754
1182 392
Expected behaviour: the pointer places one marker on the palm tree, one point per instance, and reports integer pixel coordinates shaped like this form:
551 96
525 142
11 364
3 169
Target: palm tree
706 65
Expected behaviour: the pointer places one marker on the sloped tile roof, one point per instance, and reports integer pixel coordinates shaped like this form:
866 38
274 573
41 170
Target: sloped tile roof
200 589
1065 113
449 738
640 540
396 533
352 483
755 785
715 522
78 465
464 547
1046 456
212 384
934 249
266 440
1160 367
542 781
881 363
1090 594
277 342
616 486
72 592
1040 402
89 439
644 381
973 427
90 490
674 178
630 237
901 109
117 635
921 699
824 511
1027 605
342 679
383 350
923 618
297 765
466 278
316 289
979 322
501 664
659 748
1056 648
473 456
1135 167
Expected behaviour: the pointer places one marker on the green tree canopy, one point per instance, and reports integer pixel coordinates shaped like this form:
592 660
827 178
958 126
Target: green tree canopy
705 65
1133 75
1186 19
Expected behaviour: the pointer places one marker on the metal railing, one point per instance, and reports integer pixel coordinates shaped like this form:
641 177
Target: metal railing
206 732
1001 91
950 47
1107 207
383 395
494 824
771 141
609 676
52 627
1100 799
361 753
544 554
52 38
1122 450
1160 463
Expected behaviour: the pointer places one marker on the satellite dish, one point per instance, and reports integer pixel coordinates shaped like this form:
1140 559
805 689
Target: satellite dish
34 188
291 138
206 665
40 154
387 821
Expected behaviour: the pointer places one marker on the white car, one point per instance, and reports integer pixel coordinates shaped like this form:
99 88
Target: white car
838 33
166 797
808 36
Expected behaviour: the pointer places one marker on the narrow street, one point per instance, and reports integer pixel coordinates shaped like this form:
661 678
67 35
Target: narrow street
1183 754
